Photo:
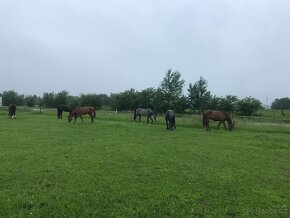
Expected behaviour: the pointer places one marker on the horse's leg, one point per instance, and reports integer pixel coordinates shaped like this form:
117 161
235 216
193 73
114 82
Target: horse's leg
75 119
219 124
82 118
171 125
92 118
207 124
150 119
225 125
139 118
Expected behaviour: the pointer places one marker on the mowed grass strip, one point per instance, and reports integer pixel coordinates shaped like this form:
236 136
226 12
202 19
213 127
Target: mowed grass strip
115 168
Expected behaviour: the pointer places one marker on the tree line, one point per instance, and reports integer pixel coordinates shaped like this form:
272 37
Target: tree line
169 95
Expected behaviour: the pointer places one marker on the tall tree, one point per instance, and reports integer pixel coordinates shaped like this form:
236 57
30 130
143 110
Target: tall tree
9 97
172 86
30 100
282 103
228 103
198 95
48 100
146 98
91 100
61 97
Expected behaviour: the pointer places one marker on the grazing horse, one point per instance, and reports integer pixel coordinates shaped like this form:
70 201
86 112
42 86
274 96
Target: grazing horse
63 107
145 112
79 111
220 116
12 111
170 119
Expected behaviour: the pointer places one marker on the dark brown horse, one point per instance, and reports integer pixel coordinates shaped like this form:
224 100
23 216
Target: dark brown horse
63 107
220 116
79 111
12 111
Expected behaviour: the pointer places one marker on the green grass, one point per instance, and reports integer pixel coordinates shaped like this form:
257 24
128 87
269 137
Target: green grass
115 168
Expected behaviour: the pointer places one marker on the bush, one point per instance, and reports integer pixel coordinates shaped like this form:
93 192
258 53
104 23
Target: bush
248 106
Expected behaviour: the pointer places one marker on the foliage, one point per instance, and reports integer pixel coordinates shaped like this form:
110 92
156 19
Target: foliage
126 100
61 98
105 99
169 95
48 100
248 106
90 100
282 103
227 103
198 96
30 100
172 86
145 98
9 97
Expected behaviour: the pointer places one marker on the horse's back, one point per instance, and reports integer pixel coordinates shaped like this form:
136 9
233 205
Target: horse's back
215 115
170 114
82 110
12 108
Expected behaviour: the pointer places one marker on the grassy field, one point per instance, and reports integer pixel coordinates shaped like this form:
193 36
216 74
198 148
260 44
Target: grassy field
115 168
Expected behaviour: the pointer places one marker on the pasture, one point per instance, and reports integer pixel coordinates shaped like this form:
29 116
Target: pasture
115 168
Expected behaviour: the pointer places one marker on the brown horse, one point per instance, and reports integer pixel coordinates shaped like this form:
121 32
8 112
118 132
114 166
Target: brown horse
220 116
12 111
79 111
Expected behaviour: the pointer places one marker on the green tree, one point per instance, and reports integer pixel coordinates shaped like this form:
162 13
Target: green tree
172 86
48 100
127 100
146 98
73 101
282 103
20 100
159 101
105 99
228 103
90 100
61 98
198 96
9 97
30 100
40 103
248 106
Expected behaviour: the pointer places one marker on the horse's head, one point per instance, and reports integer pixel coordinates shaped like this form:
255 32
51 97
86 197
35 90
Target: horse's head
231 125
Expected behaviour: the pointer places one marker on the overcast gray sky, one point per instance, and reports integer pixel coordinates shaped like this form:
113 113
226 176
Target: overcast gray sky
241 47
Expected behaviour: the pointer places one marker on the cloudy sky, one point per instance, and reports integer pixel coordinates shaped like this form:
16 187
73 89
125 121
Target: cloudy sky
241 47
